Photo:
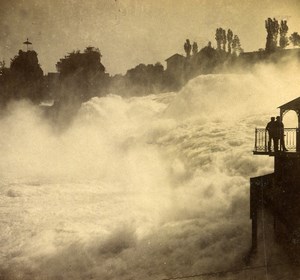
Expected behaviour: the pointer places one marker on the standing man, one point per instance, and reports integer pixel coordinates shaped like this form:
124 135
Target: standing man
272 128
280 128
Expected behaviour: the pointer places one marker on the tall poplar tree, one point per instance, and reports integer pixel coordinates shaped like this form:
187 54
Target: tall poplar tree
283 30
229 39
272 27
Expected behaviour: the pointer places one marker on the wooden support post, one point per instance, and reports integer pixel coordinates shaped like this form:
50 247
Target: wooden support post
297 140
253 211
266 142
254 232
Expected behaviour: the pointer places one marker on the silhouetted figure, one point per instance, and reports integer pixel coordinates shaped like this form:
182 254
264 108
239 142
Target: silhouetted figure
280 132
272 128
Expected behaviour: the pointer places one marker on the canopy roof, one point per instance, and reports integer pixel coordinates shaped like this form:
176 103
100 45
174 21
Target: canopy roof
27 42
292 105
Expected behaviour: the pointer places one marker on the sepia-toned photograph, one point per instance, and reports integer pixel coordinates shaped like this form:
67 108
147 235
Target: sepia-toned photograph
149 139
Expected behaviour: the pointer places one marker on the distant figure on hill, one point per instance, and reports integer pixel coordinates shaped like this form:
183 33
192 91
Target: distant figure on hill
280 129
272 128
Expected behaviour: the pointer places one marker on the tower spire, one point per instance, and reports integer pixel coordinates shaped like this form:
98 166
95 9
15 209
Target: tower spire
27 43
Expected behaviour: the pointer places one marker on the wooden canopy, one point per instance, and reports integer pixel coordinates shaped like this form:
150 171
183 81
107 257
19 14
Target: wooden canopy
293 105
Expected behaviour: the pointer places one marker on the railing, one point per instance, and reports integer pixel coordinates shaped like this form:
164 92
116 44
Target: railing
262 140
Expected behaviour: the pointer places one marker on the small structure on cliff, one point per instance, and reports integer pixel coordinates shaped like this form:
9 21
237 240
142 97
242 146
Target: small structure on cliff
176 71
279 192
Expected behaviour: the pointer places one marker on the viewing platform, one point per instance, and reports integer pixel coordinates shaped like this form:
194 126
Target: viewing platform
291 135
278 193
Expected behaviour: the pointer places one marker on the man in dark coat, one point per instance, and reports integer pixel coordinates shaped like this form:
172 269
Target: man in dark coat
280 128
272 128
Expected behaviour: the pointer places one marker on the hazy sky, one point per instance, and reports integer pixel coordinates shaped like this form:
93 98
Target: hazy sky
129 32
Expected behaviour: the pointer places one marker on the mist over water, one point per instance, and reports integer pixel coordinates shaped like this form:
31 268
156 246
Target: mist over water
138 188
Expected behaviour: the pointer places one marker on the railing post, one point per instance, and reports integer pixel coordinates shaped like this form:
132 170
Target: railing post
266 147
255 145
291 140
297 140
287 137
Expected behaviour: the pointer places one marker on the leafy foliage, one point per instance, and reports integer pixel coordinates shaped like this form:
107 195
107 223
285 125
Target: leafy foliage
187 47
236 45
82 75
229 39
195 48
283 30
272 27
295 39
24 78
219 38
145 79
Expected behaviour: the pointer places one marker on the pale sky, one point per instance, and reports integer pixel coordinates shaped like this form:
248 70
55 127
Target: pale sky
129 32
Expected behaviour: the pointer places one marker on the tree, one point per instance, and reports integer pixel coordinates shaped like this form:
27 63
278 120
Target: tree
295 39
236 45
187 48
219 38
195 48
24 78
283 30
272 28
2 67
224 41
82 74
208 60
26 64
229 39
145 79
75 62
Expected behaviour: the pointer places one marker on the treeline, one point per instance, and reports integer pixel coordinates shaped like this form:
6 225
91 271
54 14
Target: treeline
212 60
23 79
140 80
81 75
275 29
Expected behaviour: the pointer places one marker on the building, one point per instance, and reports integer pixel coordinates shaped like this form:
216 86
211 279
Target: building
176 64
278 193
176 71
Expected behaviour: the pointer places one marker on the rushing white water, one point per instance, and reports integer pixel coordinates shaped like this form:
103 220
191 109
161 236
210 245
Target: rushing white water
140 188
